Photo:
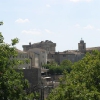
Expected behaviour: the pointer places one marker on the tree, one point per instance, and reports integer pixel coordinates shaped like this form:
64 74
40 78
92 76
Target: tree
12 84
54 68
82 83
66 65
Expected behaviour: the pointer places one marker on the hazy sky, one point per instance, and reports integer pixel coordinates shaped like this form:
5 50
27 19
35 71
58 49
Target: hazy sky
64 22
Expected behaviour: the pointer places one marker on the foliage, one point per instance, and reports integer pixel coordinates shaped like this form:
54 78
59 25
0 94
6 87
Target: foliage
1 38
54 68
66 65
12 84
82 83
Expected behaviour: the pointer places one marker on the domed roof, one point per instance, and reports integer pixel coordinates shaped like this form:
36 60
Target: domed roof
81 41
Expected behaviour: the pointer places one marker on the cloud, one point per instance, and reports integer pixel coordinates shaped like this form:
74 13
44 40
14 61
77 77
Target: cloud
77 25
98 29
22 20
80 0
47 5
48 31
89 27
32 32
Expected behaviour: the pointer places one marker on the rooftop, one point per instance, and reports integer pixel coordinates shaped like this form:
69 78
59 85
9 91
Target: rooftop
20 51
93 48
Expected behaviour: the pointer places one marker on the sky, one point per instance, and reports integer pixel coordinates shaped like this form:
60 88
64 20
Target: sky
63 22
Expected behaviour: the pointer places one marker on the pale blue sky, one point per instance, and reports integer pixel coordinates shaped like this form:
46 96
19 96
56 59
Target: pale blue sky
64 22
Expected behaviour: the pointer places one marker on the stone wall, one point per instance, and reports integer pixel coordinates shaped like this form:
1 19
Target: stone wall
32 75
47 45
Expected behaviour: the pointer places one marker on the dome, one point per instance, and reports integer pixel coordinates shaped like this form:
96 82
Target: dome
81 41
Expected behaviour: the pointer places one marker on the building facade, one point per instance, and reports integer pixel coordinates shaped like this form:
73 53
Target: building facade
32 57
58 57
42 55
52 55
46 45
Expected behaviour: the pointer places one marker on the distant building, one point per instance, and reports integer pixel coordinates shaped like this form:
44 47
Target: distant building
52 55
46 45
58 57
82 46
33 59
42 55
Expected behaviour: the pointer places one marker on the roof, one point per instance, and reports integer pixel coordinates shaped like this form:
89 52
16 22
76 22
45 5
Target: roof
92 48
70 52
19 51
38 49
46 41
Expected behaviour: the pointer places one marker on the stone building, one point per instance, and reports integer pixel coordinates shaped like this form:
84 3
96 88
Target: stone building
42 55
52 55
43 52
32 70
46 45
33 59
82 46
71 55
42 49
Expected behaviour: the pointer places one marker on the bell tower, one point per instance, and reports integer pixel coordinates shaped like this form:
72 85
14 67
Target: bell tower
82 46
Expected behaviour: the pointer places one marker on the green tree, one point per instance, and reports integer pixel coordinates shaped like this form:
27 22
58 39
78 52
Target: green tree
82 83
12 84
66 65
54 68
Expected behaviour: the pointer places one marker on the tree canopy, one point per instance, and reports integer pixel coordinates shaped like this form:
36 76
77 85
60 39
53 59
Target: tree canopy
66 65
82 83
54 68
12 84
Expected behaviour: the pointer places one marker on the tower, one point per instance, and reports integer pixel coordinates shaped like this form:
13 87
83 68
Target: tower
82 46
